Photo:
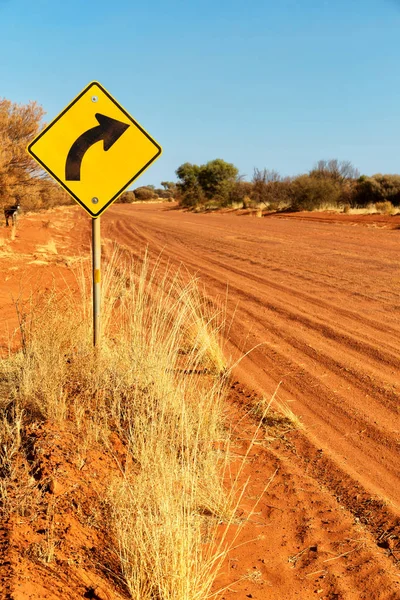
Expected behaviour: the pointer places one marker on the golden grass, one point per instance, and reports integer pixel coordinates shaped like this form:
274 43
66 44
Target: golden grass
385 208
158 380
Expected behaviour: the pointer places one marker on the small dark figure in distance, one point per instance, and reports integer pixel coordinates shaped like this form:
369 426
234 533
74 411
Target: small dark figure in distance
11 212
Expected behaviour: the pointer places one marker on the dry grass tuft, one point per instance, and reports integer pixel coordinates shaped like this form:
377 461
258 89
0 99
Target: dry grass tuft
158 381
385 208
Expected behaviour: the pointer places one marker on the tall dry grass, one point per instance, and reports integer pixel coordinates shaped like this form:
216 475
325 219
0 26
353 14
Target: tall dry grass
158 381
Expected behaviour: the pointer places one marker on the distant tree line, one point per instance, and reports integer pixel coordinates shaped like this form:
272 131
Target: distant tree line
217 183
331 183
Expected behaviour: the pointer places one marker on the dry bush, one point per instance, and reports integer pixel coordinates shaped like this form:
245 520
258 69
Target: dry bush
385 208
377 188
158 381
240 191
19 123
311 193
336 170
269 189
145 193
127 197
21 178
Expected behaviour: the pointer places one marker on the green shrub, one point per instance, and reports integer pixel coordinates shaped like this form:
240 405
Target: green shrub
214 180
378 188
311 193
217 178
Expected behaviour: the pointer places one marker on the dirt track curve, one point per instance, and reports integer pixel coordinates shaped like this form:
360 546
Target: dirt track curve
322 294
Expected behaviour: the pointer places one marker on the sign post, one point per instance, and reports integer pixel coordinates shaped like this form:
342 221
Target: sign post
96 268
94 149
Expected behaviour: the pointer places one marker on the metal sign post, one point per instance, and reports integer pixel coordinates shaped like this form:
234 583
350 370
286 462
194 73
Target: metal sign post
96 253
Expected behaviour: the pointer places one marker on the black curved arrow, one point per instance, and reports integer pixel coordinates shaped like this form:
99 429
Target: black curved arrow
109 130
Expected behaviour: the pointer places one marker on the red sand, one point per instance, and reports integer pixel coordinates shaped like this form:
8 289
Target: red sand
320 292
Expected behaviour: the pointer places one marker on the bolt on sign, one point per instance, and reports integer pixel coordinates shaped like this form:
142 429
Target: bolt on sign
94 149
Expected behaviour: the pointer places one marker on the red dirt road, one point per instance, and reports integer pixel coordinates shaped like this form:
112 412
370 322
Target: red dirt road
322 294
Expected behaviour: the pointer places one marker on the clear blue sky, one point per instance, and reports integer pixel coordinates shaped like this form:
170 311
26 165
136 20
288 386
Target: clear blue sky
276 84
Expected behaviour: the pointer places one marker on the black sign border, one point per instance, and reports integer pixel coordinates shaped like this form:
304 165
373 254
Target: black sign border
131 119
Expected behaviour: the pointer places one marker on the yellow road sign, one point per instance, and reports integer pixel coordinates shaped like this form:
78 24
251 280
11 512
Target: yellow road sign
94 149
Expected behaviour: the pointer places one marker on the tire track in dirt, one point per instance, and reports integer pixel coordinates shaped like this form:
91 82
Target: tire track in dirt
387 397
286 272
303 385
350 342
316 303
303 541
351 375
289 313
333 344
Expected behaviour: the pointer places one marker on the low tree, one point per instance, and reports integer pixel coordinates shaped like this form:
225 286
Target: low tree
377 188
213 181
217 179
241 193
270 189
19 124
188 176
338 170
169 190
311 193
188 187
168 186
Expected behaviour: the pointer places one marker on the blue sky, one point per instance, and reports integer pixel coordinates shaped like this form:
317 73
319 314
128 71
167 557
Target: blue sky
259 83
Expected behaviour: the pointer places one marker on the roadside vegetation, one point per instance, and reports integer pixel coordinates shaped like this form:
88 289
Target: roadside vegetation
156 386
150 400
330 185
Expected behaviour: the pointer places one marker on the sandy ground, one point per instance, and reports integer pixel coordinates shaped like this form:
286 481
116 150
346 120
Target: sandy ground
323 297
316 296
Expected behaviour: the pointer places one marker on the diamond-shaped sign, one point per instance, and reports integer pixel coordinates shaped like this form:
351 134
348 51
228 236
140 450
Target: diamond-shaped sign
94 149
